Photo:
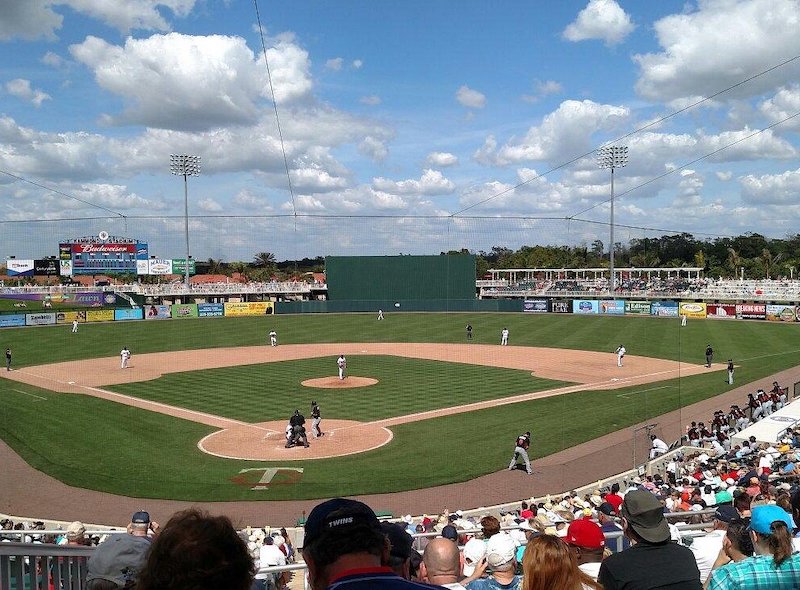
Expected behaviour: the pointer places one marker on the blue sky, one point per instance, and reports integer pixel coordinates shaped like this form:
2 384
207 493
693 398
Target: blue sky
425 114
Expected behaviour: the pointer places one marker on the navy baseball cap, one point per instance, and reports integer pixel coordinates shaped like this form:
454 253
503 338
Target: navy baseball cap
140 517
399 539
338 515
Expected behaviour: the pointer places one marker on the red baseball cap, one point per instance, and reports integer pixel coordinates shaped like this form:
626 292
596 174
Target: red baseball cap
585 533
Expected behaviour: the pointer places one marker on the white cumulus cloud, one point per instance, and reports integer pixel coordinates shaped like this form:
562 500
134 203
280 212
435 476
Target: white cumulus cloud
432 182
22 89
604 20
441 159
470 98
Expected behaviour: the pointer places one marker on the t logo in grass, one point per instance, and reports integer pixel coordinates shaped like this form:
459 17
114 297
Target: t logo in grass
269 476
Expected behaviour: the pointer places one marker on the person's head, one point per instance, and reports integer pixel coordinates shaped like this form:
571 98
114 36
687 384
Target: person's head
586 539
450 533
196 551
724 515
643 517
340 527
501 553
401 549
737 541
441 563
76 534
140 523
615 488
771 532
490 526
549 563
116 563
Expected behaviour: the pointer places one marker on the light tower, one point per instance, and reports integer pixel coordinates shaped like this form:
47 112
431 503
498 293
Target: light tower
186 166
612 156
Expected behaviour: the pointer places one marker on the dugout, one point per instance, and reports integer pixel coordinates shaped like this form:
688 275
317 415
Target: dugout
446 277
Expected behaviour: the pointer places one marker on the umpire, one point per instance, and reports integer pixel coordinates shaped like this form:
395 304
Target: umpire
298 436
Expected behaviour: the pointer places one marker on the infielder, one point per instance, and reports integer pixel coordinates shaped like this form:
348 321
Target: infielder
731 369
709 355
273 338
342 364
620 355
504 337
124 357
316 418
521 451
75 326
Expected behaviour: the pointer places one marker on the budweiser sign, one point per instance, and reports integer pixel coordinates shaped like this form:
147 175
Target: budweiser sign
109 248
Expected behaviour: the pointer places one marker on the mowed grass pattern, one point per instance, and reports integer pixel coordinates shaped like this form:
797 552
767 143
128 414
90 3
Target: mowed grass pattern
272 391
102 445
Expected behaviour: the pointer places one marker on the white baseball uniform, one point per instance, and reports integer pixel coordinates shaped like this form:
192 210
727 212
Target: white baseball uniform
504 337
273 338
124 356
342 364
620 355
74 326
380 314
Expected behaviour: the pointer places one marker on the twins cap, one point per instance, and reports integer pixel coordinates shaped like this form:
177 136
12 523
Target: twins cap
140 517
400 541
338 515
585 533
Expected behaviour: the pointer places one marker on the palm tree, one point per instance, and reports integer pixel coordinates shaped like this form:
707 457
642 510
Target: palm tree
241 267
264 260
214 266
734 261
769 261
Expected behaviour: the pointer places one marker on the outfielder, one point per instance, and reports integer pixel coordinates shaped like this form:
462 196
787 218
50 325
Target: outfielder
521 451
620 355
504 337
75 326
380 314
316 418
342 364
124 357
273 338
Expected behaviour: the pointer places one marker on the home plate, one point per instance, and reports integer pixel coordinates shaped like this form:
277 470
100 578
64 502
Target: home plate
614 379
70 383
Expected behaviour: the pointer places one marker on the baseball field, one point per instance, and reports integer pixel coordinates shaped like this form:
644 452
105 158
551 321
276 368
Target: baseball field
199 415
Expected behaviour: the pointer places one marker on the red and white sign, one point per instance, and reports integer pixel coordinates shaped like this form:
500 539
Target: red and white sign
103 248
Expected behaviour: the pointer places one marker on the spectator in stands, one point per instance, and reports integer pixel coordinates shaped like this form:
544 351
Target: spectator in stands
401 549
197 551
441 564
76 534
706 548
490 526
653 560
549 563
501 563
344 544
269 555
614 498
588 542
474 551
773 566
608 524
118 560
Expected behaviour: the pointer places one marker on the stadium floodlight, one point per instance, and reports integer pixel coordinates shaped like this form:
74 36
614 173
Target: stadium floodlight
186 166
611 157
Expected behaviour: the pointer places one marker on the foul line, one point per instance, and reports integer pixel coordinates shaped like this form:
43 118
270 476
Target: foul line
30 394
645 390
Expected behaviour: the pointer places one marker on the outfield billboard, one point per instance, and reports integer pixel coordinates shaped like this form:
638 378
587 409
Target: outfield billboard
99 315
249 308
560 306
781 313
19 268
157 312
184 310
128 314
637 308
751 311
721 311
535 306
40 319
67 317
45 267
585 306
664 308
210 310
692 310
12 320
612 306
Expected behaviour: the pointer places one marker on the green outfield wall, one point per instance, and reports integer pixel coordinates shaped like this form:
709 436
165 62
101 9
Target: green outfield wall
396 278
390 306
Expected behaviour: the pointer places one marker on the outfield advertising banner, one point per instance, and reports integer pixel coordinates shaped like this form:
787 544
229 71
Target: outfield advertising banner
560 306
721 311
99 315
637 308
40 319
585 306
751 311
159 266
210 310
664 308
19 268
535 306
46 267
128 314
692 310
65 268
67 317
781 313
249 308
12 320
612 306
184 310
157 312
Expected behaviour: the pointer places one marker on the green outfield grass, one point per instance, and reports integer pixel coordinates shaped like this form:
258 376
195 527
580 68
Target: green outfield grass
101 445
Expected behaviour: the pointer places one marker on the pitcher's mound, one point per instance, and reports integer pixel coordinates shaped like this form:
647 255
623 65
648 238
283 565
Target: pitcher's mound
336 383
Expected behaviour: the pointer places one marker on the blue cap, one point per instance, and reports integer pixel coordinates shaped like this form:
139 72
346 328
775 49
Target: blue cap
763 516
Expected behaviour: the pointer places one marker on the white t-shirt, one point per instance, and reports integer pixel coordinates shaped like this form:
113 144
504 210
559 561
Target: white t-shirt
269 555
705 550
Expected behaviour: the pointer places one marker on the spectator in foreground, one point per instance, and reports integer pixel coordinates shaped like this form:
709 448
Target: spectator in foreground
774 566
116 562
706 548
401 549
441 564
196 551
736 545
587 541
270 555
549 563
345 548
653 560
501 563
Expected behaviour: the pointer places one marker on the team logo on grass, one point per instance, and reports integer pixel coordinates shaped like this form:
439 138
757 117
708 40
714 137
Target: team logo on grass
263 478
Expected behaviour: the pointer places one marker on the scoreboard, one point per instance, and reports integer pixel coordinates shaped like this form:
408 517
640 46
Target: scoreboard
100 255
